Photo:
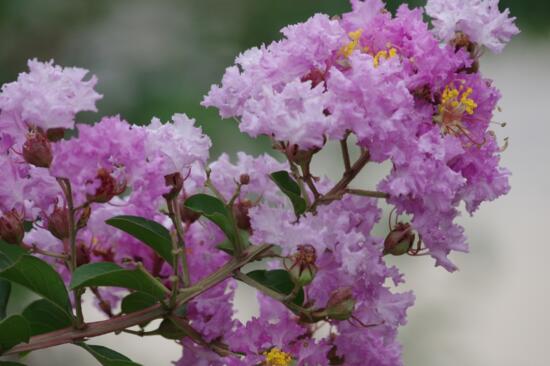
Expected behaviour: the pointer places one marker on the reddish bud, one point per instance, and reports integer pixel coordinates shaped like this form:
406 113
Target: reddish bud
108 188
55 134
175 183
82 254
301 265
240 211
400 240
37 149
11 228
84 217
188 216
58 223
244 179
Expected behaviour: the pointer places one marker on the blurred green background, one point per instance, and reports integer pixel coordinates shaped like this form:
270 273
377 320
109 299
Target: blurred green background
156 58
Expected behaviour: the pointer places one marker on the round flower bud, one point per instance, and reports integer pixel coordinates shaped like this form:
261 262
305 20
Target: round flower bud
240 211
58 223
175 183
301 265
340 304
84 217
244 179
400 240
188 216
11 228
55 134
82 254
108 188
37 150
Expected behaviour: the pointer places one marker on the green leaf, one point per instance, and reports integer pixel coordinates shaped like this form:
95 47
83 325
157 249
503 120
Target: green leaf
5 291
44 317
151 233
106 356
110 274
39 277
13 330
278 280
214 210
137 301
291 189
228 247
169 330
8 363
9 254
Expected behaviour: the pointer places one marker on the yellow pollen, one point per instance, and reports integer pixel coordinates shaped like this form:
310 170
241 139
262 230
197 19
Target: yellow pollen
458 100
348 49
276 357
385 55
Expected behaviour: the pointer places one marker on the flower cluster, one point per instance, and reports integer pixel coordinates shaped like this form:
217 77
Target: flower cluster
404 93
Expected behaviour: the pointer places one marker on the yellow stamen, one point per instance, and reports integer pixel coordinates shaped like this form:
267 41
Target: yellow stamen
384 55
276 357
348 49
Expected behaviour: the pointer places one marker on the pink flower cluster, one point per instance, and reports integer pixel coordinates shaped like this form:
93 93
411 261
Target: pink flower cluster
406 94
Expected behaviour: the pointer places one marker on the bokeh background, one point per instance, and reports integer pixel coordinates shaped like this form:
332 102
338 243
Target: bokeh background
155 58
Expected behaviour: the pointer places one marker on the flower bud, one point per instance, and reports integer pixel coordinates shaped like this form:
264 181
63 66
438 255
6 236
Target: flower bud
300 157
82 254
84 217
175 183
55 134
11 228
58 223
399 240
240 211
301 265
341 303
108 187
188 216
244 179
37 150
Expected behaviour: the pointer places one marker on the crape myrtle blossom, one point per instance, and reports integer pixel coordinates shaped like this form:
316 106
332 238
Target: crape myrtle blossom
147 198
480 20
47 97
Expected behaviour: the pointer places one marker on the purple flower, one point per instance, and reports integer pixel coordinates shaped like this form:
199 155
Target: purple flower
480 20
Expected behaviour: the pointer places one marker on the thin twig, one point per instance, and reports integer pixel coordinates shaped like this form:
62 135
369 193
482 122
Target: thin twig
345 153
365 193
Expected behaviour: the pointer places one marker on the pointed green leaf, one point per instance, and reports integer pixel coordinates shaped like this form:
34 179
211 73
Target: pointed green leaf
44 317
110 274
291 189
169 330
137 301
9 254
151 233
278 280
13 330
214 210
5 291
39 277
106 356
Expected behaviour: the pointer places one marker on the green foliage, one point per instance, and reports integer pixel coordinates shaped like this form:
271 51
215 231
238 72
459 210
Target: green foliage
213 209
137 301
151 233
5 291
106 356
13 330
169 330
291 189
43 317
278 280
110 274
34 274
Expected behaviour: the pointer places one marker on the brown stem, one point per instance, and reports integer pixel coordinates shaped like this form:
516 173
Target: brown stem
365 193
340 188
308 179
116 324
33 248
179 246
345 153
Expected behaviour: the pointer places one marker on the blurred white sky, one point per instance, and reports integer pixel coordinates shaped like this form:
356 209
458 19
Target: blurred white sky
496 309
